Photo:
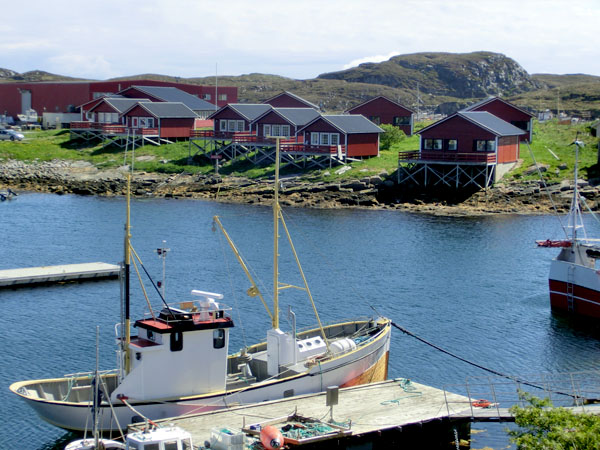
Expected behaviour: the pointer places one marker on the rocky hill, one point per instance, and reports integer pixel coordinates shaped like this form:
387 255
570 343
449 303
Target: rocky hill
433 82
462 75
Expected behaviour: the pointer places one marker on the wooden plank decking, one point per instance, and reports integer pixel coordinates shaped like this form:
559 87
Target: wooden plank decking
370 408
13 278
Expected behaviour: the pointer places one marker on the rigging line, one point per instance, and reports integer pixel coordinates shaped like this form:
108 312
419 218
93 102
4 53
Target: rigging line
152 281
495 372
594 215
143 287
233 294
546 189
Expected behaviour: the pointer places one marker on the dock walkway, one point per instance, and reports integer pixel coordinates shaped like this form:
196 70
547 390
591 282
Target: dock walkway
14 278
376 407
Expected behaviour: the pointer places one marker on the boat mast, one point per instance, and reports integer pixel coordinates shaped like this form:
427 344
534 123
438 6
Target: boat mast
276 240
127 263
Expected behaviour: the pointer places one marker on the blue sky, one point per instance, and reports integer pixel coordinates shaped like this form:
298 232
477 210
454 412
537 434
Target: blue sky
300 39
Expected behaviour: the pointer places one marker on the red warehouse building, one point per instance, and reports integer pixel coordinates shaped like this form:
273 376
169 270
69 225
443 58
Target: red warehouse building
66 96
507 112
383 110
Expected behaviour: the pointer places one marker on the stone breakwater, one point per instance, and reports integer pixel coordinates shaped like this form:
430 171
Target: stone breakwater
372 191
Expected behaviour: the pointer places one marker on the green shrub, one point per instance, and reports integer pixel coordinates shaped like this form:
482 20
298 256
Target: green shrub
393 135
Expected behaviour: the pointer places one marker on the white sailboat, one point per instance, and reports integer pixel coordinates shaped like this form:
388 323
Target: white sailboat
574 279
178 363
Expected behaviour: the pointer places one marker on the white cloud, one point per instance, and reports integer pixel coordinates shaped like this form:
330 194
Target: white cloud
373 59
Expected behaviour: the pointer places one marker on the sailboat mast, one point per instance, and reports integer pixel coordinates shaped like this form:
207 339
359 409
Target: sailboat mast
276 240
127 263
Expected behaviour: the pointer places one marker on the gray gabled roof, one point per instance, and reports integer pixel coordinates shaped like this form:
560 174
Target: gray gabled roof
352 123
376 98
491 122
482 119
249 111
172 94
168 110
121 104
485 101
294 96
296 116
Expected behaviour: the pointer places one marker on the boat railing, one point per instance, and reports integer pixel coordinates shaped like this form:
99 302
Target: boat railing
196 310
90 374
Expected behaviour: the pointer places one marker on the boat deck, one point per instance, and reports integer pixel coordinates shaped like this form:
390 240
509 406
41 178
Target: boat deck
367 408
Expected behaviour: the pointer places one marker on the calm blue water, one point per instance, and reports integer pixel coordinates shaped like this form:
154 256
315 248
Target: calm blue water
475 286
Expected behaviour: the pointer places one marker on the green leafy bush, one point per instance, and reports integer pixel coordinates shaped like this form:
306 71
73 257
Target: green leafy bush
393 135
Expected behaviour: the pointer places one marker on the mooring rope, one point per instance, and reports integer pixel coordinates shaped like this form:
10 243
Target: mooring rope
479 366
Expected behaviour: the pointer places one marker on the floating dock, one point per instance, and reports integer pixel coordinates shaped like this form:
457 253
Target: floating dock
365 411
28 276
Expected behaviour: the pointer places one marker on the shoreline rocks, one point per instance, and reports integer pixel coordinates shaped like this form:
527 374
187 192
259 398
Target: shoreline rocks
370 192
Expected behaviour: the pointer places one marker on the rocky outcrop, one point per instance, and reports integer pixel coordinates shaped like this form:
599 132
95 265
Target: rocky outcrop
462 75
371 191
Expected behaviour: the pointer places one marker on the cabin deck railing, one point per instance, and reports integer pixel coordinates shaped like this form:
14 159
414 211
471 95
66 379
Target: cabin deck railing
433 156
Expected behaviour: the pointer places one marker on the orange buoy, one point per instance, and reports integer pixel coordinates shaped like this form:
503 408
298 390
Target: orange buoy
482 403
271 438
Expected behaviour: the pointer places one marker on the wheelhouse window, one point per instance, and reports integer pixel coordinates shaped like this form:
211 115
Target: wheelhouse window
218 338
485 146
452 144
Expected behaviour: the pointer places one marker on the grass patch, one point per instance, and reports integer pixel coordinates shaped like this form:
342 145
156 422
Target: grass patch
174 158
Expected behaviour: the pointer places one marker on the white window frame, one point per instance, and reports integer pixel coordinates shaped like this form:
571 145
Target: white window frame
240 125
223 125
334 139
285 131
324 139
266 129
455 145
276 130
134 122
222 97
314 138
231 126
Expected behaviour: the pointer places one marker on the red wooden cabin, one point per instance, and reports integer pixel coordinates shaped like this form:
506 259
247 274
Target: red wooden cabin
507 112
383 110
470 136
237 118
170 120
109 109
284 122
352 135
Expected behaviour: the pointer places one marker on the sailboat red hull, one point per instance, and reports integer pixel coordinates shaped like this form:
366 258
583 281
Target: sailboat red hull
585 301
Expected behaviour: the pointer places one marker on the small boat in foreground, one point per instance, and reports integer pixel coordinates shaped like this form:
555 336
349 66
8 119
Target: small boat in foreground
574 279
178 363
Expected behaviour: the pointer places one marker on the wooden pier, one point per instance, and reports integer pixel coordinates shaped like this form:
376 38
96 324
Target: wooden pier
368 412
28 276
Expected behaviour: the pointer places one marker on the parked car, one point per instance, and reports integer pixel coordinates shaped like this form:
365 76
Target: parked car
12 135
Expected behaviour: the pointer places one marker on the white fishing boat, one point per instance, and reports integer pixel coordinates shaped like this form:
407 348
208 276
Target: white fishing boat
178 363
574 279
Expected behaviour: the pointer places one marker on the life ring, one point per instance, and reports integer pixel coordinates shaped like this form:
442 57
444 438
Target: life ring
481 403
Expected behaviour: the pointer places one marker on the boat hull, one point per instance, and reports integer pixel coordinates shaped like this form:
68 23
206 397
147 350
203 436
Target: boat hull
367 363
574 289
